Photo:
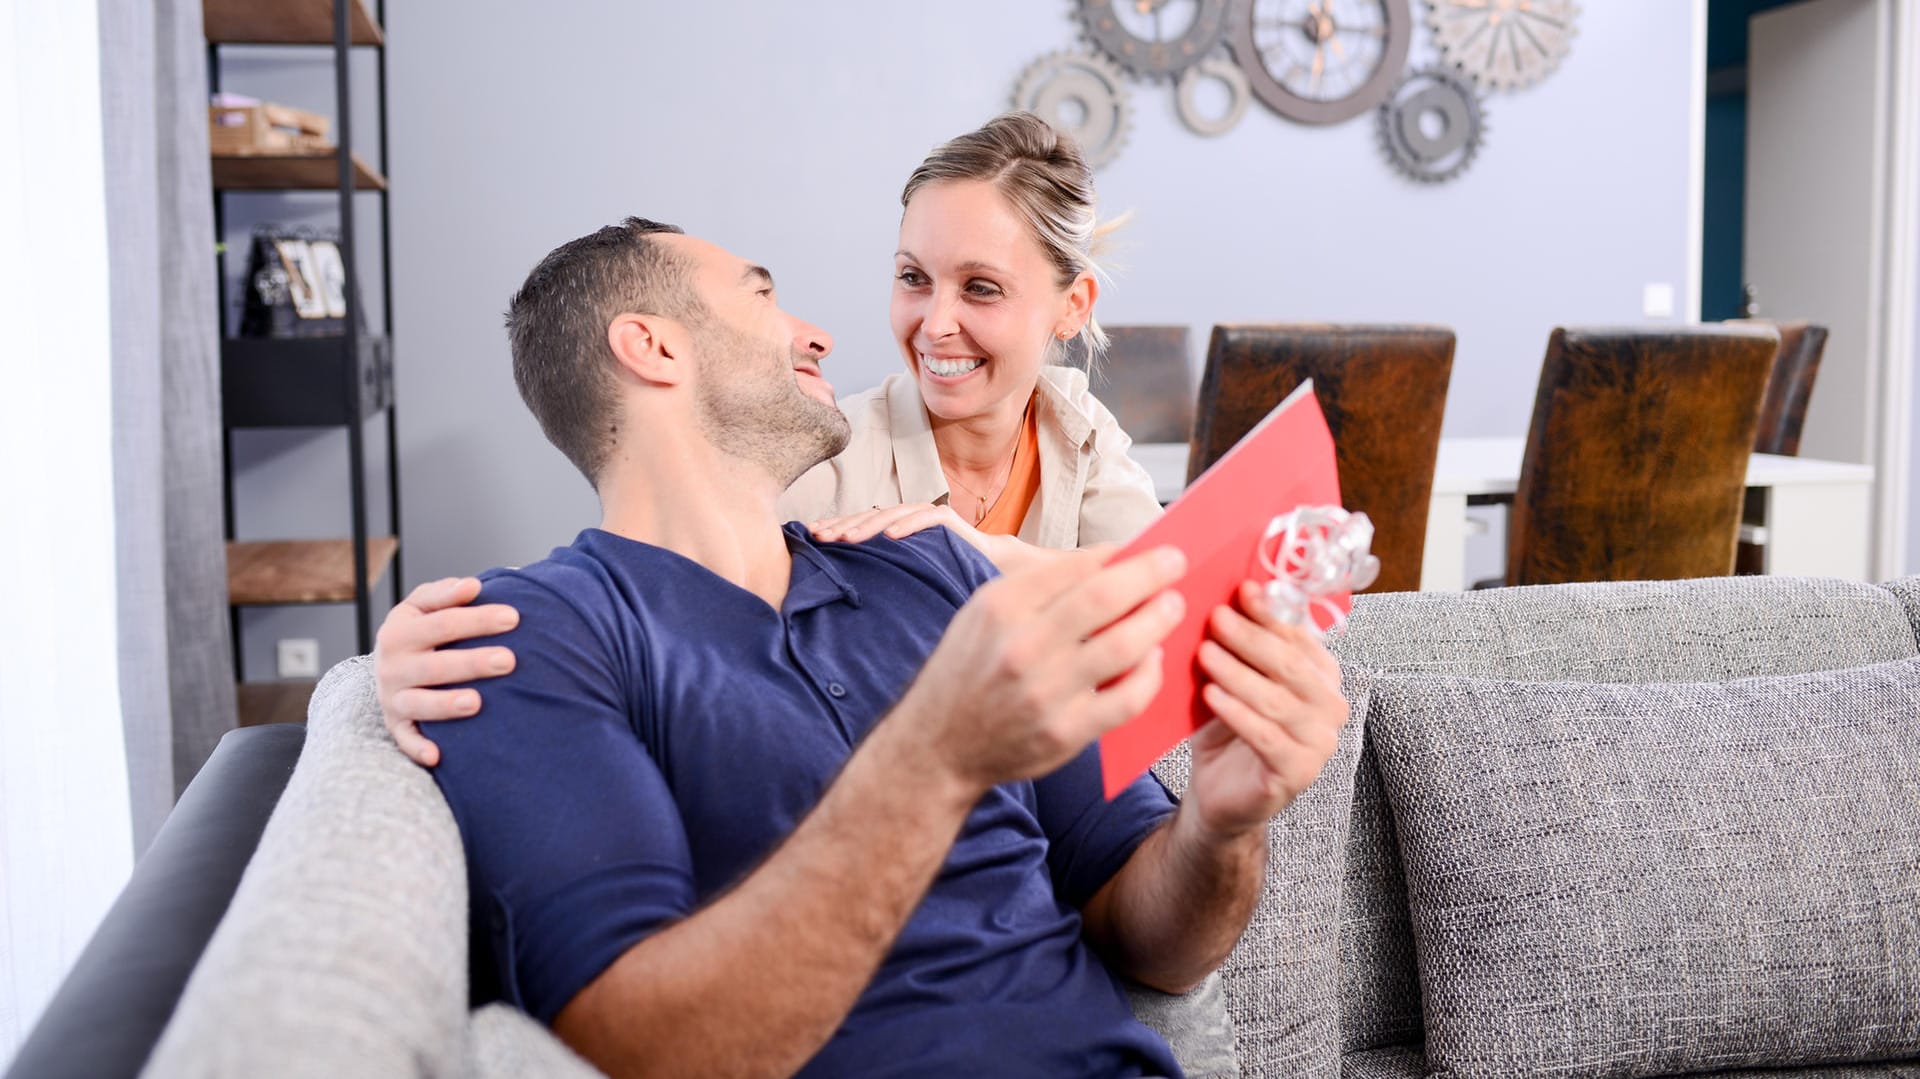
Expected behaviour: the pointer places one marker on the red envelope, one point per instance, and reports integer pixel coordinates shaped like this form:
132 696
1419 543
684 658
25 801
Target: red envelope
1286 461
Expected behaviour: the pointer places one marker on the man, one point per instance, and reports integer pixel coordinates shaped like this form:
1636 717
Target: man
750 804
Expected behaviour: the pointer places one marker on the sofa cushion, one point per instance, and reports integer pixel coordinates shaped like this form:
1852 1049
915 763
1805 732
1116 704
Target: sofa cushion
1659 879
1640 631
504 1042
1283 978
1195 1025
1388 1062
344 951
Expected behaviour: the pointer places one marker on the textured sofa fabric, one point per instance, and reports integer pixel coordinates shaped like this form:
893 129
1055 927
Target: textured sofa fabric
1611 880
344 951
1629 632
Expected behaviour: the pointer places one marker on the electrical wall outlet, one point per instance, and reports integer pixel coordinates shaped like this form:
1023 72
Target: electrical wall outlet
298 657
1656 300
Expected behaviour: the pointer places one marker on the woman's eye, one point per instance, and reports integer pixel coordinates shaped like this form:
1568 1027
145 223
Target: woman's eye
910 278
982 289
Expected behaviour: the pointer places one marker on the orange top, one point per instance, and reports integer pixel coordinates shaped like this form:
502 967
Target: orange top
1009 510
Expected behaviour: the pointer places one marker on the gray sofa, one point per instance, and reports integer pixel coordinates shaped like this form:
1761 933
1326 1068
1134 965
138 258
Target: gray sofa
1595 830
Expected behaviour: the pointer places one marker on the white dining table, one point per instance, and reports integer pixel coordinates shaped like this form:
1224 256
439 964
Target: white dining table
1816 522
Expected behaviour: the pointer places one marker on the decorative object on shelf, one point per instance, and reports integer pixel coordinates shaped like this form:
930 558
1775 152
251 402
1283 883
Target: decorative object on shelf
295 286
1218 69
1503 44
1083 95
1432 125
1321 61
240 126
1154 39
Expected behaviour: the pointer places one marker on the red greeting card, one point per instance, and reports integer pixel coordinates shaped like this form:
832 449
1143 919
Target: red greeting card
1285 462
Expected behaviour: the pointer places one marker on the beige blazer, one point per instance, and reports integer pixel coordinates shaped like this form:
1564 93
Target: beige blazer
1090 490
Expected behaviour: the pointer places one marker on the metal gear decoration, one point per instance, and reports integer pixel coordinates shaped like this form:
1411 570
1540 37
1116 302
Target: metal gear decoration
1503 44
1081 95
1321 61
1154 39
1432 125
1218 69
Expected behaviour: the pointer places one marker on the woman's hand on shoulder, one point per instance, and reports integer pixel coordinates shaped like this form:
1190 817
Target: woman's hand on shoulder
1009 554
407 663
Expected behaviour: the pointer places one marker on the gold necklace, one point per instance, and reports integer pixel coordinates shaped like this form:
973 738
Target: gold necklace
984 505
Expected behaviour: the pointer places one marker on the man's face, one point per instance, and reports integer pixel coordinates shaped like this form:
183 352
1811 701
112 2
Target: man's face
759 389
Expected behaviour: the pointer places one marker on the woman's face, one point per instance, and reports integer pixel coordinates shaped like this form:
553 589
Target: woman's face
976 301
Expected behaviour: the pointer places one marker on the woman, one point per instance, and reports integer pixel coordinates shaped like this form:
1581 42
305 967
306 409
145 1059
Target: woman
984 433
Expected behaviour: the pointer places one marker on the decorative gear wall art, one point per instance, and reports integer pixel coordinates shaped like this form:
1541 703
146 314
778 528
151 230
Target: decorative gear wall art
1503 44
1432 125
1083 95
1321 61
1154 39
1187 91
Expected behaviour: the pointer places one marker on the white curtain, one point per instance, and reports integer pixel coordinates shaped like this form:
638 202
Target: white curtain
66 842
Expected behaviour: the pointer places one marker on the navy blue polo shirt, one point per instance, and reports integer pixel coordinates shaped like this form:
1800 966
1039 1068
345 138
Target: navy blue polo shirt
664 730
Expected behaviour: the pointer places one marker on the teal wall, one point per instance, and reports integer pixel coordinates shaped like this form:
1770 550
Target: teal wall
1726 158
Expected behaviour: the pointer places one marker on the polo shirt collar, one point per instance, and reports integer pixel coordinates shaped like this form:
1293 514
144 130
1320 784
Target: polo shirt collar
816 581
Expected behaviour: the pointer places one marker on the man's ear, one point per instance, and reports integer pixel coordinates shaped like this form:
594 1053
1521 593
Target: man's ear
650 347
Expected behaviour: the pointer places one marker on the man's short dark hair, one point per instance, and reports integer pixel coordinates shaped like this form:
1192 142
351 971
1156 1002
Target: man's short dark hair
557 328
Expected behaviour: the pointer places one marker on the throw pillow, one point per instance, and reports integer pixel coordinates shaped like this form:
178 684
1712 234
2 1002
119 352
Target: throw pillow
1612 880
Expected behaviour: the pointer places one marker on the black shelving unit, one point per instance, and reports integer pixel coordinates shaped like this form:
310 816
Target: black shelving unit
340 381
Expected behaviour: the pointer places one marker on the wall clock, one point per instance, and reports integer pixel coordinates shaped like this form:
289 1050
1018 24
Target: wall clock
1503 44
1321 61
1154 38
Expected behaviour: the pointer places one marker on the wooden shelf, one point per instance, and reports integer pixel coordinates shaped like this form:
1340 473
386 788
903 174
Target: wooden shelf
273 702
268 572
284 22
289 172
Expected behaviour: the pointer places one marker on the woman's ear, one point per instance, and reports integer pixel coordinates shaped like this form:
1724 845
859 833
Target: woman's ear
1081 294
651 348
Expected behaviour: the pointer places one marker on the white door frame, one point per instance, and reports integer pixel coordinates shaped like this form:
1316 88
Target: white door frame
1897 271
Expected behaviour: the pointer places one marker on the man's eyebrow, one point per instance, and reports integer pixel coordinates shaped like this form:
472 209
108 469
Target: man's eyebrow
759 275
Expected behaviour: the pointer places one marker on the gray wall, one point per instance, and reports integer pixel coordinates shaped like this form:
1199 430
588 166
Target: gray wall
785 131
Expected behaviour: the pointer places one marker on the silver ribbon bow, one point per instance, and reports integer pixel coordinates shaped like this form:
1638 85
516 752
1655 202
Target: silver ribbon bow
1314 553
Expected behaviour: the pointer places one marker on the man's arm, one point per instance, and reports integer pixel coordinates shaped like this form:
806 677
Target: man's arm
1171 915
756 982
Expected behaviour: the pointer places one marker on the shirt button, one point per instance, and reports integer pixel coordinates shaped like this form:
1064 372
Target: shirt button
835 689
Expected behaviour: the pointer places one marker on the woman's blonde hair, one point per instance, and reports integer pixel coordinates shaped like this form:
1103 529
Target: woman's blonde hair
1045 178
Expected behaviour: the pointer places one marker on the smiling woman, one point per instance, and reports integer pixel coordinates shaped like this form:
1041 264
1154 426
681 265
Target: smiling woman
984 432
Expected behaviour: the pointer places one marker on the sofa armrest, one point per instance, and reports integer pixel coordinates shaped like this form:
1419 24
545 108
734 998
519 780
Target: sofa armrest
115 1001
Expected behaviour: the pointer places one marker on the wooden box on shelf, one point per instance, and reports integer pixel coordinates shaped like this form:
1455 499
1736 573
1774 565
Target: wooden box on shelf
266 128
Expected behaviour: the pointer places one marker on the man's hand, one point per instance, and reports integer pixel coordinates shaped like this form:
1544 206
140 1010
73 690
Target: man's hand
1275 693
405 663
1040 663
1009 553
1174 911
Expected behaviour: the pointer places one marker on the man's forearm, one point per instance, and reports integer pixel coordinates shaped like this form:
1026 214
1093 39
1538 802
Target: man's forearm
1175 910
756 982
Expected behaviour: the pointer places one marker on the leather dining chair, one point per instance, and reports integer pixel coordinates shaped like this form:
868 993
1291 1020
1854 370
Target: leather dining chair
1636 456
1783 413
1383 390
1143 380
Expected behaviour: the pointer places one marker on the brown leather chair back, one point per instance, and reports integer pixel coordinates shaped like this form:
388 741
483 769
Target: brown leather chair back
1636 457
1783 412
1143 380
1383 389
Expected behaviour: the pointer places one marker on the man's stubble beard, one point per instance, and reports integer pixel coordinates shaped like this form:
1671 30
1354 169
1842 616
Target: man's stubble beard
750 406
